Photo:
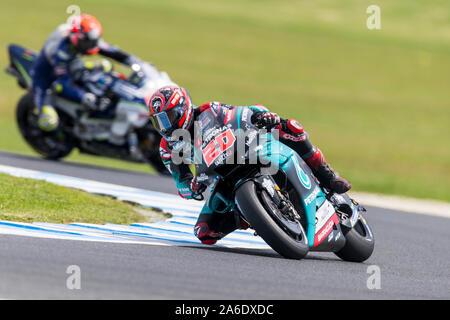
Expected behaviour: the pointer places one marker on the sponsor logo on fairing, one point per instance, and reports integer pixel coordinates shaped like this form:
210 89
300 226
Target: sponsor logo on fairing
312 196
330 236
326 230
328 227
323 214
304 179
337 236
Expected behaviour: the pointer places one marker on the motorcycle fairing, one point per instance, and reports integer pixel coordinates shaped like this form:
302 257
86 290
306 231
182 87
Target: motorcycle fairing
21 60
323 230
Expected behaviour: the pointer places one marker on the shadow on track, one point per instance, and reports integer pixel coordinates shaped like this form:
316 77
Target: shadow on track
261 252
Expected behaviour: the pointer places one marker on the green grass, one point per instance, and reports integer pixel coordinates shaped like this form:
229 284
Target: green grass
376 102
29 200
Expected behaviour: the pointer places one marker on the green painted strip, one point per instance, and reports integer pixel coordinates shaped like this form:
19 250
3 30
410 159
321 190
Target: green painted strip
23 72
28 57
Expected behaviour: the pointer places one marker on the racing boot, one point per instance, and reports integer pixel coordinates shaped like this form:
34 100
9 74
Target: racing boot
326 175
48 119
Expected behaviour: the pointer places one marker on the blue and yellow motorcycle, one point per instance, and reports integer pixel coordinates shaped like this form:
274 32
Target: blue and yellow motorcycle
120 130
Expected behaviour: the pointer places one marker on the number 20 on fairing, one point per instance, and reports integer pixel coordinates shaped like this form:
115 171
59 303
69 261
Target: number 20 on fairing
216 147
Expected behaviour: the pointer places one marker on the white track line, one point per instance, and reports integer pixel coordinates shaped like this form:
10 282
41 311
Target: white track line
177 230
166 201
411 205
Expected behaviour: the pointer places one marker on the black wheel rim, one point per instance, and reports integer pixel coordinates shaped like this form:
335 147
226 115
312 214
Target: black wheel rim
48 144
280 219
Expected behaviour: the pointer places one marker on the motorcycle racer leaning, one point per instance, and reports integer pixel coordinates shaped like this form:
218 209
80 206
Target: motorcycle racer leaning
51 69
171 108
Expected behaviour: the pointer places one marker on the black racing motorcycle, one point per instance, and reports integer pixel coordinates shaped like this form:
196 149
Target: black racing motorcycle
277 194
120 129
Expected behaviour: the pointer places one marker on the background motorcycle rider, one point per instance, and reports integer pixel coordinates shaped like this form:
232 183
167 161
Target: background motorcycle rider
51 69
171 108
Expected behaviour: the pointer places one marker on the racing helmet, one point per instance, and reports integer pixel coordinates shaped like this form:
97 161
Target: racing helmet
170 108
85 34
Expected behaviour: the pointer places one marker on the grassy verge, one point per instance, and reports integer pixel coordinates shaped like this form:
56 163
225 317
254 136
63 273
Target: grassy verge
375 101
29 200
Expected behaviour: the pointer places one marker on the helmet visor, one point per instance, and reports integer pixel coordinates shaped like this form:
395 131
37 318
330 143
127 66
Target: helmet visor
88 44
165 121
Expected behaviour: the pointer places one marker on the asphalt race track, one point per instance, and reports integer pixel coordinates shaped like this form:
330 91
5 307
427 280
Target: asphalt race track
411 252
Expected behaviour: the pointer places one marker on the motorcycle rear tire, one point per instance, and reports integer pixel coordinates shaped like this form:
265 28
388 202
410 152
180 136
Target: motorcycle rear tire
24 108
359 243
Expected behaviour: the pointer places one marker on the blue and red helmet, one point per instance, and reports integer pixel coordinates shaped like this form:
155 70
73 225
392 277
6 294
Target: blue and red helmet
171 108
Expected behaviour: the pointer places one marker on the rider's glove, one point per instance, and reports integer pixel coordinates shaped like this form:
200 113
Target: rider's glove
185 193
93 103
89 100
103 103
131 60
266 119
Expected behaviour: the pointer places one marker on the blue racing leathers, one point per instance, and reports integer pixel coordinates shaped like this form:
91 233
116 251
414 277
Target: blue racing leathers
51 68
